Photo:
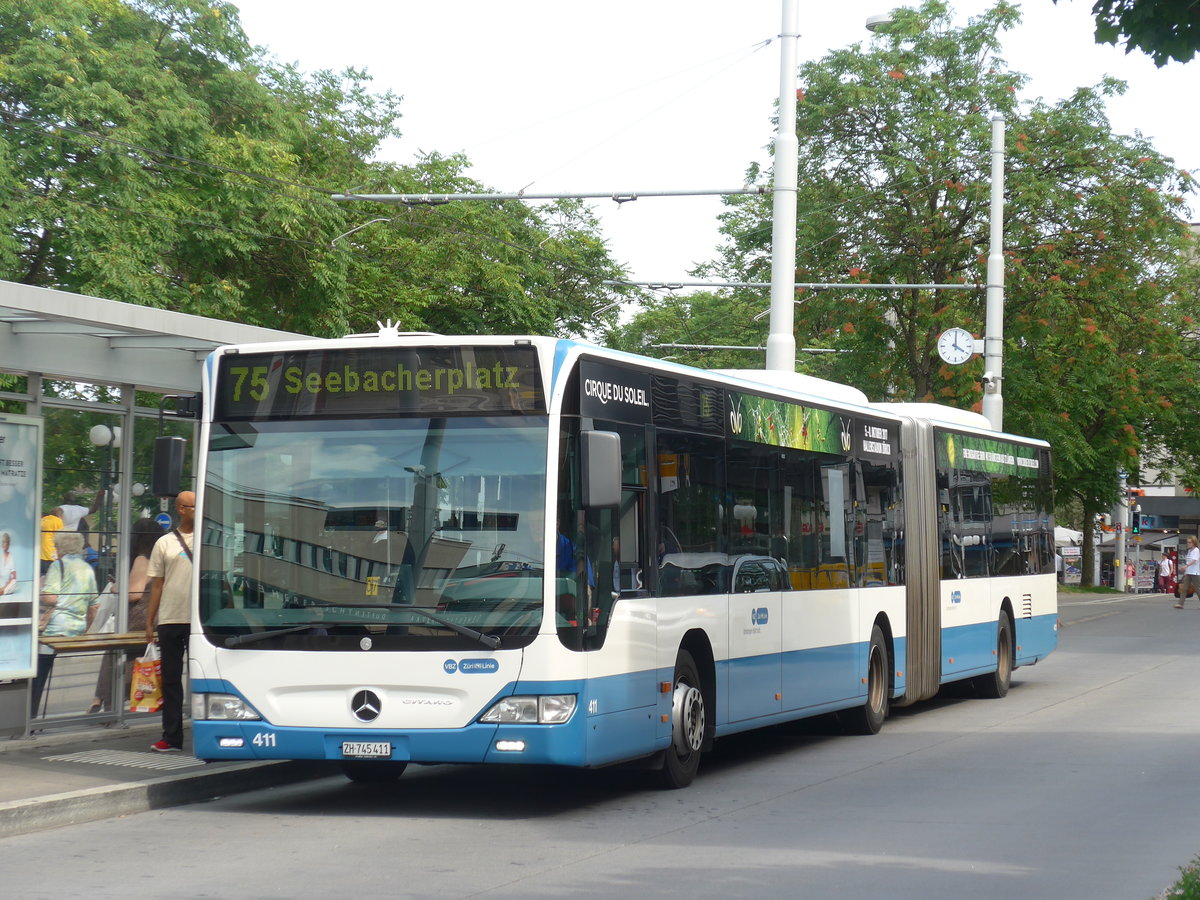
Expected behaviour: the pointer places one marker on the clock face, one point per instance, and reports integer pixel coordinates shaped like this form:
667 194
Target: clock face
956 346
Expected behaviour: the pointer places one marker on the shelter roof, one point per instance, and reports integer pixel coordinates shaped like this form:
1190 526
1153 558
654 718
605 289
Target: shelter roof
77 337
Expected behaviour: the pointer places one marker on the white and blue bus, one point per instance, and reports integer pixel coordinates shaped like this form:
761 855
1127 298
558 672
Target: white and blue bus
428 549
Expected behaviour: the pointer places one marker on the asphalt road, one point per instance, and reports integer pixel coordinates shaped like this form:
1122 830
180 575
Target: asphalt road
1082 783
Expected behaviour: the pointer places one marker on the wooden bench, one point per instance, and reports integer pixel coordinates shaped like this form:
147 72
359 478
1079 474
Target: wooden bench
93 643
79 645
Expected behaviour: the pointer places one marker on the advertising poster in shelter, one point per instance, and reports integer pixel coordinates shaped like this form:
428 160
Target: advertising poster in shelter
1072 557
20 556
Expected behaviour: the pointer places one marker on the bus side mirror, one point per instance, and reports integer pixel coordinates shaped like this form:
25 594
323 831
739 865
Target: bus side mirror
167 474
601 469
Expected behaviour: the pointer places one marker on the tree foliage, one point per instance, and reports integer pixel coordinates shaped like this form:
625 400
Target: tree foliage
1162 29
1100 356
151 155
701 319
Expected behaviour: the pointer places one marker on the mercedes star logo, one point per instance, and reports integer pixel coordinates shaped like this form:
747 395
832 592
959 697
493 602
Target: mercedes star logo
366 706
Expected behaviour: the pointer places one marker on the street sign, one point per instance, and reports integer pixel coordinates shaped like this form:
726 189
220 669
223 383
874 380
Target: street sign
163 520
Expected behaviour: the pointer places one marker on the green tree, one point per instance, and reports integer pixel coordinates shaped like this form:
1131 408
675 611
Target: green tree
1162 29
894 176
469 267
150 154
702 318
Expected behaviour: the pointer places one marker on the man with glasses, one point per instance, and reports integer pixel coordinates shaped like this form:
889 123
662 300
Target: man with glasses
170 574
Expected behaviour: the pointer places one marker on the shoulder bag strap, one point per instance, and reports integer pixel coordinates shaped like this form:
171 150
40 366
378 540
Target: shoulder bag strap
183 543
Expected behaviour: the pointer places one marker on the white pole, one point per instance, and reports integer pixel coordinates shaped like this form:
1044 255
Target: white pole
993 347
781 339
1121 519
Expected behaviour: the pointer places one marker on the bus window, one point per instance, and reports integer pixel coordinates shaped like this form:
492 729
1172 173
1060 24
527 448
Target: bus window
692 546
879 524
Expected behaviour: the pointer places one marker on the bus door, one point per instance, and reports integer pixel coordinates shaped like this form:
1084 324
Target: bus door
755 635
613 621
754 581
821 664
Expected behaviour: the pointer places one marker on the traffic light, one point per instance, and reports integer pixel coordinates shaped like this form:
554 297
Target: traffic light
1137 524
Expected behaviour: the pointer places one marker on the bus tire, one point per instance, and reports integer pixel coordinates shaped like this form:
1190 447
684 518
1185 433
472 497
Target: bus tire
994 685
681 760
372 771
868 718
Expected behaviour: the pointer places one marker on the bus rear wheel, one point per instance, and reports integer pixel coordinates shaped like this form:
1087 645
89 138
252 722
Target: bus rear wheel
994 685
868 718
372 771
681 760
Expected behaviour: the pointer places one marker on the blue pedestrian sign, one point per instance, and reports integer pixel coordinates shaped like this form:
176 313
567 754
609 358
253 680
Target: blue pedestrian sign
163 520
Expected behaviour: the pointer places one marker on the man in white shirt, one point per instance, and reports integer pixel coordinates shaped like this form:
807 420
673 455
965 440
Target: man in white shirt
72 512
1166 568
170 608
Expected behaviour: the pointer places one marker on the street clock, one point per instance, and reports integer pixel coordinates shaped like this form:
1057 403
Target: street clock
955 346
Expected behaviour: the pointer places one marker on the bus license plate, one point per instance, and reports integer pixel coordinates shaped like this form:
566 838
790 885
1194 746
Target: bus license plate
366 750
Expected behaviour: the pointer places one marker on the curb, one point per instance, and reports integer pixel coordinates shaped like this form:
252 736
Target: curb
48 740
94 804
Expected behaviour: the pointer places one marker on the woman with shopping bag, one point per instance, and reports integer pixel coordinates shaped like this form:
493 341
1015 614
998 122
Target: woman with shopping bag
143 535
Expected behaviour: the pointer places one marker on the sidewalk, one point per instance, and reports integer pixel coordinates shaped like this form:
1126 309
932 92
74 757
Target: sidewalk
90 773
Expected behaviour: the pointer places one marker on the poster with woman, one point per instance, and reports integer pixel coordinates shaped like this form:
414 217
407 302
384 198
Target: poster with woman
20 542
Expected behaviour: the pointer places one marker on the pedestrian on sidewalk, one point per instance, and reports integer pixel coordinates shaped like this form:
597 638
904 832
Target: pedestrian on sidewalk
170 606
1191 574
1162 577
51 523
143 536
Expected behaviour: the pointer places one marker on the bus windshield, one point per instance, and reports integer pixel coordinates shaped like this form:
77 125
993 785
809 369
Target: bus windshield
409 533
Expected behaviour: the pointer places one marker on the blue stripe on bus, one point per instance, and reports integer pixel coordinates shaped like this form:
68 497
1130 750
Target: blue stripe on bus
585 740
970 649
561 351
604 727
1035 638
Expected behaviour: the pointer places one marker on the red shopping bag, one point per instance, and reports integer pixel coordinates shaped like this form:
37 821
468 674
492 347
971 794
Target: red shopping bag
145 687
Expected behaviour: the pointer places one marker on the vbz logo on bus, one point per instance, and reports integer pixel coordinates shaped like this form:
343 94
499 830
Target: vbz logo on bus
758 616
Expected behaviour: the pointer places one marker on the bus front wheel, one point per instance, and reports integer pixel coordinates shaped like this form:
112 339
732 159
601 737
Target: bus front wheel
681 760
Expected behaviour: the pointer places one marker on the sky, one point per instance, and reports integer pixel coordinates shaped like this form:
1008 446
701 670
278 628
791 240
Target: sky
568 96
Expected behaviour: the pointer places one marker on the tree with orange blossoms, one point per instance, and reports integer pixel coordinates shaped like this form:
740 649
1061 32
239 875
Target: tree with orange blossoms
894 185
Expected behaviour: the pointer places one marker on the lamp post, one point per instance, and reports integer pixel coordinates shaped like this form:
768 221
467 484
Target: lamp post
109 439
993 364
781 338
1121 521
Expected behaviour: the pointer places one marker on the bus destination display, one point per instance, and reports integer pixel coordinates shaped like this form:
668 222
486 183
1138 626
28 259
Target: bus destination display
378 381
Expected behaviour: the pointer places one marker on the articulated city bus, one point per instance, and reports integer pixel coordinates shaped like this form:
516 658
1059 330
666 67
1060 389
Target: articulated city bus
427 549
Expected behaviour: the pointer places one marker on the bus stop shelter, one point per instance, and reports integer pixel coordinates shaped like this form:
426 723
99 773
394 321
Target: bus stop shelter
87 377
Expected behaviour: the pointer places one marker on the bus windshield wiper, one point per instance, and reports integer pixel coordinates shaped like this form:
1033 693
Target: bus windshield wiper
490 641
256 636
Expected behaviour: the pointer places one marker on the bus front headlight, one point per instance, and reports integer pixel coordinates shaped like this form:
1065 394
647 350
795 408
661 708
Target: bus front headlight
223 707
546 709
